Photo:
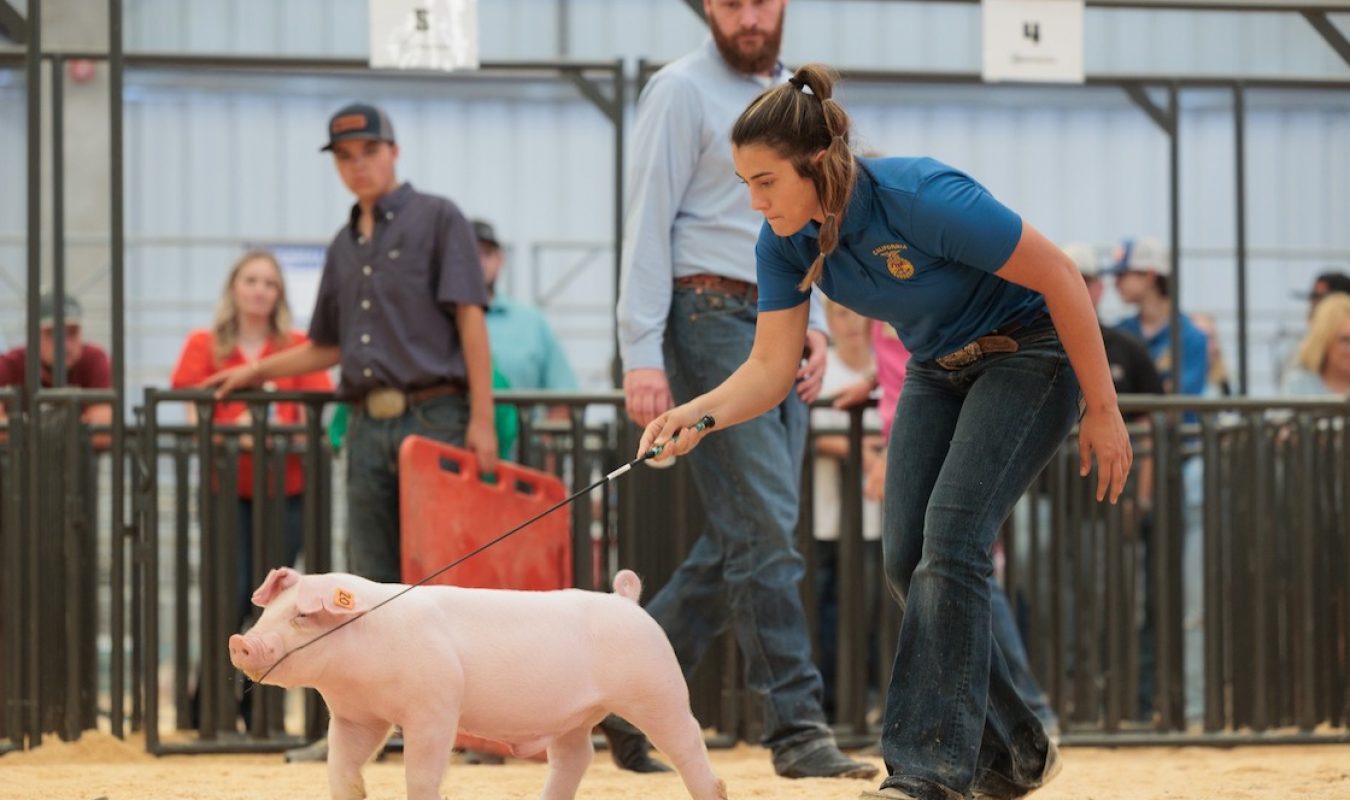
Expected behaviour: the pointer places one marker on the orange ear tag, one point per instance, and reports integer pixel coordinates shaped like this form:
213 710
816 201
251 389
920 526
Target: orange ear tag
343 599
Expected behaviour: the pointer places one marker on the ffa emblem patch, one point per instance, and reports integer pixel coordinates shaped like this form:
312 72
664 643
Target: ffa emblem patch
343 599
897 265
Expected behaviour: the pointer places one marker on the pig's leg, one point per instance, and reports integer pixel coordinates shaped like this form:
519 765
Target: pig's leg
568 757
675 732
350 746
426 754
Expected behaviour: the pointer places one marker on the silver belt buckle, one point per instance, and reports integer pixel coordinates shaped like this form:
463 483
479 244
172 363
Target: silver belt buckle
964 357
385 403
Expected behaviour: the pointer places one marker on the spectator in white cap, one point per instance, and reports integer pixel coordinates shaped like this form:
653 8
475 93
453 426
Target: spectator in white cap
1143 270
1132 368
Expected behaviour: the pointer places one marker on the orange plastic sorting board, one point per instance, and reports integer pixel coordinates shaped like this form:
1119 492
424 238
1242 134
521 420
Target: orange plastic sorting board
445 511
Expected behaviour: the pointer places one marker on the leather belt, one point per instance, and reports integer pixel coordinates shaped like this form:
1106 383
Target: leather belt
388 402
997 341
705 281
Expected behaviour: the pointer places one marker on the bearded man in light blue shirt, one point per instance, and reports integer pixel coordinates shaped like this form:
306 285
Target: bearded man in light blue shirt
686 317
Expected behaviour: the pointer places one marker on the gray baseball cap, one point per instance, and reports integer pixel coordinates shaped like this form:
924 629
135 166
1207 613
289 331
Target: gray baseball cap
359 121
47 311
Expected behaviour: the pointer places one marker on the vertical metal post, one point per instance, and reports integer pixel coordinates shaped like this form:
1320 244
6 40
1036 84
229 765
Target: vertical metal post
1240 204
1117 614
1056 667
1344 533
33 79
619 97
58 221
182 699
260 528
32 366
149 541
581 530
72 553
311 543
209 591
1168 688
1213 560
120 533
11 589
1260 561
1305 568
1174 215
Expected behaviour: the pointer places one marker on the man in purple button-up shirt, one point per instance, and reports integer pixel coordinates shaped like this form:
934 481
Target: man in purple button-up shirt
401 306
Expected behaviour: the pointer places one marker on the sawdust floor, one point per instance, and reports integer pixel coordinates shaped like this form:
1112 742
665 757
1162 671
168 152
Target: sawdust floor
99 766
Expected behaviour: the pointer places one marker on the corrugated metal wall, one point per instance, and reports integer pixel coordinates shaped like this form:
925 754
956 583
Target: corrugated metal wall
901 35
207 172
217 161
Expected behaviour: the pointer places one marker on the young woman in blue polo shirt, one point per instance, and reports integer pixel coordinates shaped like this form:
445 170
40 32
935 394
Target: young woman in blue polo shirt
1002 335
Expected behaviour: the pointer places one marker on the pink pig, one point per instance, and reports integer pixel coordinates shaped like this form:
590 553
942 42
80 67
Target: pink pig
536 670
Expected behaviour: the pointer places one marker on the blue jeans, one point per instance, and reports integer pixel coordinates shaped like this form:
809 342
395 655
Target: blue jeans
1009 641
743 571
373 549
965 446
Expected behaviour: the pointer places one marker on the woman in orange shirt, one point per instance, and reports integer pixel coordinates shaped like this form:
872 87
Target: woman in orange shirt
253 320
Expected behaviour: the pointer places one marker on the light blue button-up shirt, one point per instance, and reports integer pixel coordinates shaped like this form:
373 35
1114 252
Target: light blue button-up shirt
524 348
687 211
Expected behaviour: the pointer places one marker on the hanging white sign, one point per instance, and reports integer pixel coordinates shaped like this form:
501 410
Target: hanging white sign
1033 40
424 34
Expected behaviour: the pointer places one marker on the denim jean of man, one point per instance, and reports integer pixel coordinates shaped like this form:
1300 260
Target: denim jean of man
743 571
372 479
965 446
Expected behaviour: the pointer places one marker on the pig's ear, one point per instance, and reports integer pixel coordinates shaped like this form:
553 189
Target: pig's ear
330 596
276 582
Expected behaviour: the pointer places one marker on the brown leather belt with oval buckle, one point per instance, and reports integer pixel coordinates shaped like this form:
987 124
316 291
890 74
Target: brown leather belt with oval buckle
976 350
387 402
718 283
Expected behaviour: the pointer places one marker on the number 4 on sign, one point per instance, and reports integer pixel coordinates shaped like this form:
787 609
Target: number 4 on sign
1033 40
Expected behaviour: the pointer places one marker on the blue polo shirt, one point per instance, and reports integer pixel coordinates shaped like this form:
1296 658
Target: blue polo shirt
918 248
1194 354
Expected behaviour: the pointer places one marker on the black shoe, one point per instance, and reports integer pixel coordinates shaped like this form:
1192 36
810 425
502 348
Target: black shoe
629 747
990 786
828 762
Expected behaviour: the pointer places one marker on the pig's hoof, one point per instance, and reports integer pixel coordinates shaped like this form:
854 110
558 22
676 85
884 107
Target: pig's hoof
629 747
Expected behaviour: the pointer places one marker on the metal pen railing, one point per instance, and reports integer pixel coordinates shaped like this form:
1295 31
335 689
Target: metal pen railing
1096 588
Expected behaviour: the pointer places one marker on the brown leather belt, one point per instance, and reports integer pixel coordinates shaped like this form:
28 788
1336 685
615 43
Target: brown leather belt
997 341
388 402
706 281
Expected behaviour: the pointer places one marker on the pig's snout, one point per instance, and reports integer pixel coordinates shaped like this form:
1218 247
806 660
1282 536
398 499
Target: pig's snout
248 654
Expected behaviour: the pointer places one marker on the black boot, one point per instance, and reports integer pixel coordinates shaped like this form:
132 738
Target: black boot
629 747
